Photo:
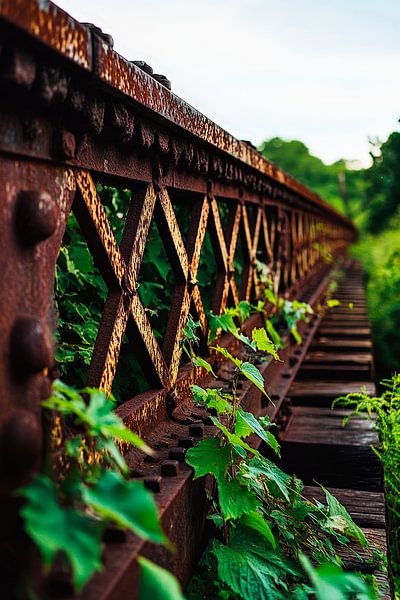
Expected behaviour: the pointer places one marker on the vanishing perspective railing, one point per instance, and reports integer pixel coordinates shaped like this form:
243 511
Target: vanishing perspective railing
75 114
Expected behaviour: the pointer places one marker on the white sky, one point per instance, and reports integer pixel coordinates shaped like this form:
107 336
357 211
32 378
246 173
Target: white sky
326 72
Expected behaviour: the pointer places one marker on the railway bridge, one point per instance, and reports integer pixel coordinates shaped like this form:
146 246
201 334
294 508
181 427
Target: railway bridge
76 116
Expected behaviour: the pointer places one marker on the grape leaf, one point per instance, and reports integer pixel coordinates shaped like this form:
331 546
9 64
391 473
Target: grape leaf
208 457
254 426
263 342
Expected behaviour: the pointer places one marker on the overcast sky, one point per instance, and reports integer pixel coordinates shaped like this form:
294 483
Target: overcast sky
326 72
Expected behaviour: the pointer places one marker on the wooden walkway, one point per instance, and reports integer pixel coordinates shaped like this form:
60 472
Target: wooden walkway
316 446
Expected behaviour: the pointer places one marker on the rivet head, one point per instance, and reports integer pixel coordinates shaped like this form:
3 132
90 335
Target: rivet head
36 216
31 347
20 445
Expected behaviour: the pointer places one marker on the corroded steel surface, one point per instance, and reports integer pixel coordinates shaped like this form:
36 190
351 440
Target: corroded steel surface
71 119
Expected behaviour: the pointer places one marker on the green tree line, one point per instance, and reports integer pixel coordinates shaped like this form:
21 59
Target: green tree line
371 198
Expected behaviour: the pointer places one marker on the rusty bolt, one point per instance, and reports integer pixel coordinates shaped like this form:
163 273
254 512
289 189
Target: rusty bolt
19 67
36 216
114 535
177 454
186 442
143 66
170 468
208 421
105 37
20 445
196 429
163 80
30 346
64 144
153 483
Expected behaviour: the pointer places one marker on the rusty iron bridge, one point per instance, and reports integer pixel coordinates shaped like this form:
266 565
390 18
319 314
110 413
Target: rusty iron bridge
74 114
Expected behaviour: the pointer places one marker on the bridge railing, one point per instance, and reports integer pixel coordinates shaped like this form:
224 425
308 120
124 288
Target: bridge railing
75 114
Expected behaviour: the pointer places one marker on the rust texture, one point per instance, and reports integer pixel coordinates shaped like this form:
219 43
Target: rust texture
73 114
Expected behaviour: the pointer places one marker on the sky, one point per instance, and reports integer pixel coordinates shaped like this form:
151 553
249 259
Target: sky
326 72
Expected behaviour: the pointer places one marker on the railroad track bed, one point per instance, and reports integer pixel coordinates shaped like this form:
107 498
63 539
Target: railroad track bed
315 444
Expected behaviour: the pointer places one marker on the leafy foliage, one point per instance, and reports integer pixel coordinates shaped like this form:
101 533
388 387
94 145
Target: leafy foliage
265 522
92 491
386 409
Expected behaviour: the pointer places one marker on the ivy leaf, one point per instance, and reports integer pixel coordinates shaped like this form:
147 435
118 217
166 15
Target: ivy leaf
56 529
255 520
200 362
263 342
254 426
127 503
209 457
235 499
253 374
340 520
157 583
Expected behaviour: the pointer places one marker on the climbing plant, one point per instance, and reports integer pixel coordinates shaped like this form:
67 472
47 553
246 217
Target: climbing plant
263 524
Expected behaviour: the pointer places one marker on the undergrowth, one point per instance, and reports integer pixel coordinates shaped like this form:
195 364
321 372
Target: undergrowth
386 409
267 534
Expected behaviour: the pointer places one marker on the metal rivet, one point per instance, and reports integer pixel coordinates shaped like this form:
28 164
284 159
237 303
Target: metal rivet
36 216
20 445
114 535
64 144
186 442
170 468
30 347
196 429
177 454
153 483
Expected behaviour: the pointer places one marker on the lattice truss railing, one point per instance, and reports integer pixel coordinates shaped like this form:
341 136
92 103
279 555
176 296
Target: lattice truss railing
289 242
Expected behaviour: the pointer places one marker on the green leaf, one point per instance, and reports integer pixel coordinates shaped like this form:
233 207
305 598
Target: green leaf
127 503
270 296
209 457
247 423
234 439
212 398
330 581
256 521
263 342
235 499
251 569
276 338
56 529
157 583
253 374
189 331
228 355
244 309
296 335
200 362
277 481
340 520
332 302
